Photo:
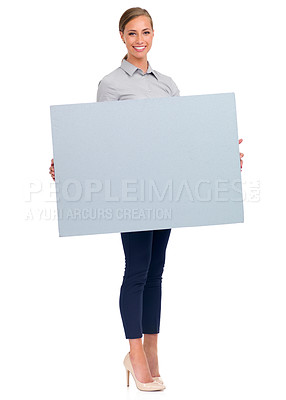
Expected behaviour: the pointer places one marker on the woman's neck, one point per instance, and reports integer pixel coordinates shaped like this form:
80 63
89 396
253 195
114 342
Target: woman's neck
139 63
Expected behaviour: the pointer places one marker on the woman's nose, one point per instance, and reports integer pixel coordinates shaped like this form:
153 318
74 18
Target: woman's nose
140 39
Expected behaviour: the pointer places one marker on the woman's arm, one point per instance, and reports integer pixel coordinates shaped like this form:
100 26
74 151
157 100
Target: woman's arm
106 91
174 89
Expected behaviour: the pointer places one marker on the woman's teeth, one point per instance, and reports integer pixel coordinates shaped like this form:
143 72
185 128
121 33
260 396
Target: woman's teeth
139 48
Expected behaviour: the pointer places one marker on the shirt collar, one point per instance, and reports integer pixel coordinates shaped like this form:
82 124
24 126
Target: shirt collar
131 68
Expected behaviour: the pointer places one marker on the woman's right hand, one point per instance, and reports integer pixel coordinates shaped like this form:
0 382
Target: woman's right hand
52 169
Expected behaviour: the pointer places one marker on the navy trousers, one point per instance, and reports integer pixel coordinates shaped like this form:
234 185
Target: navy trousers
141 289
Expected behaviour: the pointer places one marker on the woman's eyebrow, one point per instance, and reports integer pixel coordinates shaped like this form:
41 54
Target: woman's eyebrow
135 29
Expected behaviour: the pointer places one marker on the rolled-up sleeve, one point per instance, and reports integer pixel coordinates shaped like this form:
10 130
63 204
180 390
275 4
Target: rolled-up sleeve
106 91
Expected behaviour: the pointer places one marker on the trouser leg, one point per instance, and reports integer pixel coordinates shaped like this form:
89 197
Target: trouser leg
153 288
137 248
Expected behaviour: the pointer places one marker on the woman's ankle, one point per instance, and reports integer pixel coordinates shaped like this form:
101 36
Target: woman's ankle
135 345
150 348
150 342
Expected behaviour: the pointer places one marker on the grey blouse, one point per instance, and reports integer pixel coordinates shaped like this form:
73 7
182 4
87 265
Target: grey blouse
128 82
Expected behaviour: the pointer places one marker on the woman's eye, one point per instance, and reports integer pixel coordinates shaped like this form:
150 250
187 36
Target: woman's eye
133 33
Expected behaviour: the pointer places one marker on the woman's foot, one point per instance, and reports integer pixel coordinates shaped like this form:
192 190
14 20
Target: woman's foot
139 362
150 346
152 358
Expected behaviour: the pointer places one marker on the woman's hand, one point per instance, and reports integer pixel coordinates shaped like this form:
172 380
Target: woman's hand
241 155
52 169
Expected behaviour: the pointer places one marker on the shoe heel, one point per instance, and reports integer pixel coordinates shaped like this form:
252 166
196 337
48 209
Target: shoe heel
127 376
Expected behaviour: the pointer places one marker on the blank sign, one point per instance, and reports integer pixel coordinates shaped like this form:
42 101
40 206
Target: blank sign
135 165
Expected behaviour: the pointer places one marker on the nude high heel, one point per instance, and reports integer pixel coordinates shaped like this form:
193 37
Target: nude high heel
158 379
149 386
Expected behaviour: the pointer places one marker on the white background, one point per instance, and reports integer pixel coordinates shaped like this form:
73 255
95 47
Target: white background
223 307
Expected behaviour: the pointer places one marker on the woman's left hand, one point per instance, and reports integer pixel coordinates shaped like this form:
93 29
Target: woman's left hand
241 155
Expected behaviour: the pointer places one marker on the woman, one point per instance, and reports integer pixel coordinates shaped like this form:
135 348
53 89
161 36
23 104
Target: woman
140 293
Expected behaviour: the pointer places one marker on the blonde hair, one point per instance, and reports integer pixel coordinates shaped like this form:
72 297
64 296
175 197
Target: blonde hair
130 14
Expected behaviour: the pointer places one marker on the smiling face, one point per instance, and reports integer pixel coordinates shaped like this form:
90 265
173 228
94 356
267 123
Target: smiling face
138 37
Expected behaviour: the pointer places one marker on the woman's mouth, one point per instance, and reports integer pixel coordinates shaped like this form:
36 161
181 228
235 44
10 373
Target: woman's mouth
139 48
